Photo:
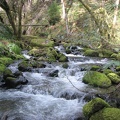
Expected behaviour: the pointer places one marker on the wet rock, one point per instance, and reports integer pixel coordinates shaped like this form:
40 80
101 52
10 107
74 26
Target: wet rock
17 73
107 114
97 79
54 73
38 65
7 73
24 66
62 58
65 65
92 53
88 97
12 82
114 78
114 97
94 106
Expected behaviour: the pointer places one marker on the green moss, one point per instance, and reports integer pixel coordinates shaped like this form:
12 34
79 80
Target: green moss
114 55
97 79
95 67
106 53
25 64
41 42
62 58
92 53
2 68
37 52
118 68
107 71
107 114
65 65
118 56
52 55
94 106
114 77
5 60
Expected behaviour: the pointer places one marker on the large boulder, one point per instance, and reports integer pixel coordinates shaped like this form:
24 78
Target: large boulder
54 55
114 78
107 114
13 82
97 79
94 106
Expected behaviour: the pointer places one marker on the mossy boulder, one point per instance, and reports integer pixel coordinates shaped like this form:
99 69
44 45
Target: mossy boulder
118 56
94 106
114 55
97 79
65 65
41 42
95 68
24 66
11 82
37 52
92 53
62 58
118 68
105 53
2 68
7 73
114 78
107 114
5 60
54 55
36 64
107 71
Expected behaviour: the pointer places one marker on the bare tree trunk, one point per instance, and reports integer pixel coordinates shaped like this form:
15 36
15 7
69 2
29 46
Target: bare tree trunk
65 17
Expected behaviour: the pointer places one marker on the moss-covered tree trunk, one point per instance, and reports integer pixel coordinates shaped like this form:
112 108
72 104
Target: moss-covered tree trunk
20 6
4 5
100 18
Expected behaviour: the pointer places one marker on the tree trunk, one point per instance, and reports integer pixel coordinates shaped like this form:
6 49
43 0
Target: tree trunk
11 20
115 13
105 32
4 5
20 19
65 17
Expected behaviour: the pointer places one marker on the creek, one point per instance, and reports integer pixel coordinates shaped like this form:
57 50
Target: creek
50 98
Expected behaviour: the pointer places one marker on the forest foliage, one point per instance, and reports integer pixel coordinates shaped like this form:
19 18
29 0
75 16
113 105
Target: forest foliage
90 22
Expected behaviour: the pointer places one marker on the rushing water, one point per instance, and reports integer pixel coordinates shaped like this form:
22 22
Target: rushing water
49 98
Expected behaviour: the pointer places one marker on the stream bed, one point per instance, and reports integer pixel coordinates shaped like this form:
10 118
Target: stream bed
50 98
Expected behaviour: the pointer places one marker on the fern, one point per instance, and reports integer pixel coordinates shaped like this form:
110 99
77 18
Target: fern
14 48
111 64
